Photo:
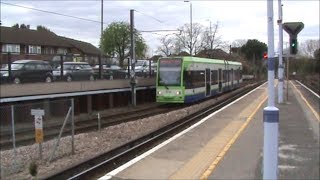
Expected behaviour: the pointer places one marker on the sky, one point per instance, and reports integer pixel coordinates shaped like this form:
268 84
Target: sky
236 19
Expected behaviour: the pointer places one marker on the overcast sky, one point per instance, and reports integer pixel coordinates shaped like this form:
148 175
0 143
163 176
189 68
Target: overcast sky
237 19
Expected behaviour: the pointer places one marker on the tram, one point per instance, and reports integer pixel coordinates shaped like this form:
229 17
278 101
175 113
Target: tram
190 79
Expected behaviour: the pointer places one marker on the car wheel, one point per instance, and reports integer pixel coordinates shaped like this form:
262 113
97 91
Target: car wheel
16 80
48 79
69 78
91 78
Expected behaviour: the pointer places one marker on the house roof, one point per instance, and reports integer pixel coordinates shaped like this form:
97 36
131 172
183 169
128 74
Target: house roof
30 37
13 35
85 47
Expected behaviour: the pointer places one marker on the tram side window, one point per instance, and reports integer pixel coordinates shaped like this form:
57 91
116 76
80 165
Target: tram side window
194 79
214 77
187 79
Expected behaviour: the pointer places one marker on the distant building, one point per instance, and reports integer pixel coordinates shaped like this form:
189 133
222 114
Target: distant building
24 43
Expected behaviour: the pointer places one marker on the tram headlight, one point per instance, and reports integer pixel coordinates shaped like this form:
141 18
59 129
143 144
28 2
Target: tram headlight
159 92
178 93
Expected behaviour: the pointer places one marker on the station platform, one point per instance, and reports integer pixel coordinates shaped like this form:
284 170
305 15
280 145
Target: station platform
228 144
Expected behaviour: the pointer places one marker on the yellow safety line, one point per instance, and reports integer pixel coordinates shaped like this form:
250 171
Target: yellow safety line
209 171
305 100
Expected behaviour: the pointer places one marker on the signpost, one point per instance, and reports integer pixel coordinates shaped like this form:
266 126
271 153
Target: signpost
38 124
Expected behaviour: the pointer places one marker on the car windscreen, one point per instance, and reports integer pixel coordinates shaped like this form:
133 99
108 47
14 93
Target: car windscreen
14 66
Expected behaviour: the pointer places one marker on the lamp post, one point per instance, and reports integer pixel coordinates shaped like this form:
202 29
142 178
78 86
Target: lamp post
190 27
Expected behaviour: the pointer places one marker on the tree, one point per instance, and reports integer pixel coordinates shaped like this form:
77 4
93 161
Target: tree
167 45
115 41
194 44
43 28
308 47
23 26
253 50
316 54
210 37
16 25
239 42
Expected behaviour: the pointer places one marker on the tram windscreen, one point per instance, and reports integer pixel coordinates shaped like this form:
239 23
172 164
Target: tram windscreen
169 72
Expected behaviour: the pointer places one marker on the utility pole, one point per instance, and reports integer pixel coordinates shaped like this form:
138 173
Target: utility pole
280 69
270 113
191 47
101 44
133 59
211 42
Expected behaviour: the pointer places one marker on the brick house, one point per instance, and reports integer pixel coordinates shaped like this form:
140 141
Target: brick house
23 43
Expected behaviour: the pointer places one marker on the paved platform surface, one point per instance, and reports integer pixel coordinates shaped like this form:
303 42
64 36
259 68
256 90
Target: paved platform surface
229 144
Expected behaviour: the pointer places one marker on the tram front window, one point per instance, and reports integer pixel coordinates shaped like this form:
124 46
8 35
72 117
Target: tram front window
169 72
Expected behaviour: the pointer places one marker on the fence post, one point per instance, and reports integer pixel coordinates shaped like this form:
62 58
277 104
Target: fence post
61 67
99 122
100 67
9 66
72 125
13 137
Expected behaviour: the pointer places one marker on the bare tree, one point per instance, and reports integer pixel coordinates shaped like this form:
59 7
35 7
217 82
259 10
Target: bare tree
167 45
308 47
191 42
210 37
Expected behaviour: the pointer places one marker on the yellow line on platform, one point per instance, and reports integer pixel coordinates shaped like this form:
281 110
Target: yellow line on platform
306 101
211 168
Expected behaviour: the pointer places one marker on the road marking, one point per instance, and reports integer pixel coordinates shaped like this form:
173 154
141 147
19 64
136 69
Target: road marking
308 89
138 158
305 100
211 168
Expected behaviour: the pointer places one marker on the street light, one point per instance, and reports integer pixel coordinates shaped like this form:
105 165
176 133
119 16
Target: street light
190 25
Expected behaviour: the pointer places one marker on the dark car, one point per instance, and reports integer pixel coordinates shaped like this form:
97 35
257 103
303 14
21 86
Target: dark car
74 71
27 71
111 72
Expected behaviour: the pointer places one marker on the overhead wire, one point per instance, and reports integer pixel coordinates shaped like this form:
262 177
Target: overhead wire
50 12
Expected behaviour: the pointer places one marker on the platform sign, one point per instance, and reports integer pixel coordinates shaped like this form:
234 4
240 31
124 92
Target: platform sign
38 124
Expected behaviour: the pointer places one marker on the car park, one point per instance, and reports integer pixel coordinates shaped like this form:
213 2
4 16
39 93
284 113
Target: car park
27 71
74 71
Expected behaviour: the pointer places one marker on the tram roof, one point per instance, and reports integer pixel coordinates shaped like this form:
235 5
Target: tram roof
207 60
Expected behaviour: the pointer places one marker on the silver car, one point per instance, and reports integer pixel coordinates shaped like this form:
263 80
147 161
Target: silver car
74 71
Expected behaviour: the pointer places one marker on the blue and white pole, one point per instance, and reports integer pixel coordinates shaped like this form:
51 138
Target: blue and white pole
280 68
270 113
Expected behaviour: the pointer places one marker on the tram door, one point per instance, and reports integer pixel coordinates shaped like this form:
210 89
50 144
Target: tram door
208 82
231 78
220 79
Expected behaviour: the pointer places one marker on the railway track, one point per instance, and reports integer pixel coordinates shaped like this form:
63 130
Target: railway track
312 82
102 163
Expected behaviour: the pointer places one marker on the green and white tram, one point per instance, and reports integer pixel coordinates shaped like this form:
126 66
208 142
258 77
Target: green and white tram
189 79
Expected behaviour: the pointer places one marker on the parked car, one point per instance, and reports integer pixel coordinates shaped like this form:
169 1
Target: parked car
74 71
111 72
27 71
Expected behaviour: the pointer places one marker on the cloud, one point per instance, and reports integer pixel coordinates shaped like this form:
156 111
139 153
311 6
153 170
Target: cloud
237 19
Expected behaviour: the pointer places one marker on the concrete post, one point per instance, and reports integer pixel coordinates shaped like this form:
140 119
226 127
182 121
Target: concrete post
280 69
270 113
